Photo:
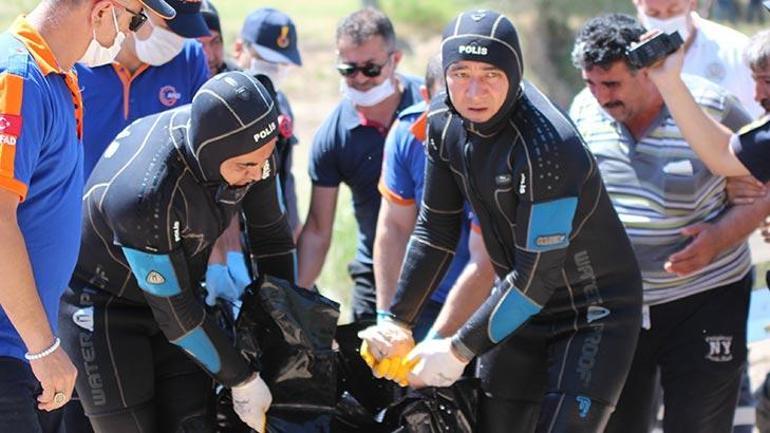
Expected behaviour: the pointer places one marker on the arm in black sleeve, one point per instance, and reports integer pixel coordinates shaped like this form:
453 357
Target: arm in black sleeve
544 224
165 281
267 227
434 240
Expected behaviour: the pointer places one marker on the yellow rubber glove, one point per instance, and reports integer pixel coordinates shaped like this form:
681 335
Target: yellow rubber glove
405 367
395 368
366 354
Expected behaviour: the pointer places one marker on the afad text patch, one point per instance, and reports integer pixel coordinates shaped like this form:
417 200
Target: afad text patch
11 93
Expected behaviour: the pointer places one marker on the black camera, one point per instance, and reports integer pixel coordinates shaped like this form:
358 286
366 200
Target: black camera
653 49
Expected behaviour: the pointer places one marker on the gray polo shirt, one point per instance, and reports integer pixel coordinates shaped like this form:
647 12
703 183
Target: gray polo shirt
659 186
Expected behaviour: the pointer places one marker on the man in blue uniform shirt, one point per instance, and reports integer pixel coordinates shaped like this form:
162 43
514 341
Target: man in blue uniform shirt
348 148
156 70
40 186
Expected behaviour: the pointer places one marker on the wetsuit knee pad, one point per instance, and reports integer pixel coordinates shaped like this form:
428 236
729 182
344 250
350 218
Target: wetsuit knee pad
566 413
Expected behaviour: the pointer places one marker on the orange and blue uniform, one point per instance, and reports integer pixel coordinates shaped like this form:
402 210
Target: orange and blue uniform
41 161
114 97
403 180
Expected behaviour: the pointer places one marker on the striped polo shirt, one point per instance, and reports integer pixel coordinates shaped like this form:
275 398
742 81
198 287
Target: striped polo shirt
658 186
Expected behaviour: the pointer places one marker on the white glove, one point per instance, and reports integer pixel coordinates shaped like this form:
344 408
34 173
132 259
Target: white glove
227 281
387 339
251 400
437 365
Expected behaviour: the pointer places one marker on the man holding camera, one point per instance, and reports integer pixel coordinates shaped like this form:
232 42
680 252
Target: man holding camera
712 51
690 247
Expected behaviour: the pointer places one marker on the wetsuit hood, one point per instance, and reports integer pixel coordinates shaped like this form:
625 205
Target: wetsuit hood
489 37
232 114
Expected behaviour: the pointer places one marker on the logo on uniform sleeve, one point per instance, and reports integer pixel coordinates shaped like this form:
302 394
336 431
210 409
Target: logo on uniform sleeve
169 96
154 277
10 128
10 124
719 348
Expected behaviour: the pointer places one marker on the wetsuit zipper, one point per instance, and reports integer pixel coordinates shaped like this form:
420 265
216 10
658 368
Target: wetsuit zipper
475 192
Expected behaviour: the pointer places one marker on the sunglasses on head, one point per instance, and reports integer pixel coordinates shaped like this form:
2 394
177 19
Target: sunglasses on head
369 69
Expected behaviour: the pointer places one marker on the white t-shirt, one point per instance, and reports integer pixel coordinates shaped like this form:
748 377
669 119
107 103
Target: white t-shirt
716 54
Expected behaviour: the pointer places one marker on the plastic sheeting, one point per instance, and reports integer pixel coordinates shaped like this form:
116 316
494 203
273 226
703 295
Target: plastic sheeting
288 332
436 410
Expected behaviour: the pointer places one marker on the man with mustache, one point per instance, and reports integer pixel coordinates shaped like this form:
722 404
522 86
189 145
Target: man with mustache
689 244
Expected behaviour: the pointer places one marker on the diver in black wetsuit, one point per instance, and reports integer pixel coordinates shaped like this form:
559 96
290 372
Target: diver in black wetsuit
162 193
557 334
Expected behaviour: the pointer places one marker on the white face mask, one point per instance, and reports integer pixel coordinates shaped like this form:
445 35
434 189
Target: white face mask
673 24
274 71
370 97
160 47
96 54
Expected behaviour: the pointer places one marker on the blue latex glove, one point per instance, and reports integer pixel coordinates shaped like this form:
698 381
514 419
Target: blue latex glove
227 281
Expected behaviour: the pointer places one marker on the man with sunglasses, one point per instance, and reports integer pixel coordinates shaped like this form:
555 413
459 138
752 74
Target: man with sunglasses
158 68
40 187
348 148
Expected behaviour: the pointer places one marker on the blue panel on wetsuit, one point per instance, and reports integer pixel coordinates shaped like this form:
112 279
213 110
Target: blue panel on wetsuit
198 344
550 224
513 310
154 272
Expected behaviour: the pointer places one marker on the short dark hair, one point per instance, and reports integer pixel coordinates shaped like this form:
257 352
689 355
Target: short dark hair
434 73
366 23
604 39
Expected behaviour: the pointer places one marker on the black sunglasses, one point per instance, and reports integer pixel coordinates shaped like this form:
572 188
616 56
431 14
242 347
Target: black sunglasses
369 69
137 19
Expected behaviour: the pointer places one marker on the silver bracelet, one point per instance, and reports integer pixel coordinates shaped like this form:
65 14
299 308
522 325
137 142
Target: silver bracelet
46 352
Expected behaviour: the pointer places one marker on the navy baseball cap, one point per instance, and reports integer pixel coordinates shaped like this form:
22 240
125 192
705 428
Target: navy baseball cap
273 35
188 22
211 16
160 7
